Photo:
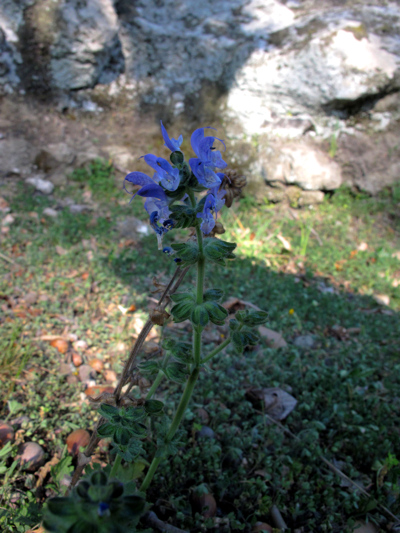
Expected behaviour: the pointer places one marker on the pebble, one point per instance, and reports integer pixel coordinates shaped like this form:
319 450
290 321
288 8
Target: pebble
77 439
41 185
31 456
6 433
306 342
50 212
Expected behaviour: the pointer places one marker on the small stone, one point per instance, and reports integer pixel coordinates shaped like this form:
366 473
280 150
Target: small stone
60 344
41 185
50 212
205 433
86 373
76 359
65 369
76 440
261 526
97 390
96 364
31 298
4 205
6 433
203 415
306 342
80 345
204 504
71 379
77 209
110 376
382 299
31 456
7 220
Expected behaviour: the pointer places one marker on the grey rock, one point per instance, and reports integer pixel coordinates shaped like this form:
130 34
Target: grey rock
307 342
16 156
205 433
31 456
40 184
86 373
54 155
310 198
301 163
86 48
77 209
50 212
370 162
130 227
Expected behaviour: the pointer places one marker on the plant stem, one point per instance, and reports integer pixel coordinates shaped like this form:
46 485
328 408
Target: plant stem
190 384
155 385
216 350
115 466
174 425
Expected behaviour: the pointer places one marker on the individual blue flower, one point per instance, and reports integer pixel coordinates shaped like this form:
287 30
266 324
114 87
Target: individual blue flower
208 159
157 203
165 174
213 204
172 144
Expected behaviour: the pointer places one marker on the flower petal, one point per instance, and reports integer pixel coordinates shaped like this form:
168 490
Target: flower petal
152 190
138 178
172 144
196 138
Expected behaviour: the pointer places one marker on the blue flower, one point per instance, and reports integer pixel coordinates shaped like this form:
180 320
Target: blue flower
172 144
214 202
157 203
165 174
208 159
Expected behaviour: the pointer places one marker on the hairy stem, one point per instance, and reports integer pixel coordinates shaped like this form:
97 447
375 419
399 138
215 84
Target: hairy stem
216 350
174 425
155 385
116 465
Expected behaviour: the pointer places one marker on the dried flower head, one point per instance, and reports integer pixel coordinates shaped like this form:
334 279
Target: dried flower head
232 184
218 229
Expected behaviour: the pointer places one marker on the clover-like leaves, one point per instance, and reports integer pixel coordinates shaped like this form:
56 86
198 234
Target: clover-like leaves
241 326
124 425
199 314
97 504
218 251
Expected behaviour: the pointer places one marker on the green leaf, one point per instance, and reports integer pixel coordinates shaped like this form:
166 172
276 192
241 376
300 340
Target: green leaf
154 407
213 295
217 251
249 337
108 411
216 312
242 315
183 352
106 430
122 436
199 316
237 341
255 318
149 367
179 297
182 311
234 324
188 252
176 372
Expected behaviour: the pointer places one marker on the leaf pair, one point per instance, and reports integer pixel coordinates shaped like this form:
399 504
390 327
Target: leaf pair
218 251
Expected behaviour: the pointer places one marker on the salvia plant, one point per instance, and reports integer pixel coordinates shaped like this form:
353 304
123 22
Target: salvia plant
180 194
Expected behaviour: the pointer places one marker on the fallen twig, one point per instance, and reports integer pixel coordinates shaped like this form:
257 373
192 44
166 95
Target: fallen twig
84 458
7 259
278 519
152 520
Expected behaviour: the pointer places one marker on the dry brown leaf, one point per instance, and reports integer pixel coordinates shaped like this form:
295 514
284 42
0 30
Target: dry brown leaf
96 390
60 250
274 338
60 344
285 243
277 403
45 469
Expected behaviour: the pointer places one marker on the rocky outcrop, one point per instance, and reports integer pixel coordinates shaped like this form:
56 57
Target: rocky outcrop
302 75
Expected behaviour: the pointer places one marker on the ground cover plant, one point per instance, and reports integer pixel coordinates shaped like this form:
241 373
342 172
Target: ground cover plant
77 289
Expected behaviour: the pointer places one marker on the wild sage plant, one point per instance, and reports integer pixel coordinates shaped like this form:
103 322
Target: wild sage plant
179 195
